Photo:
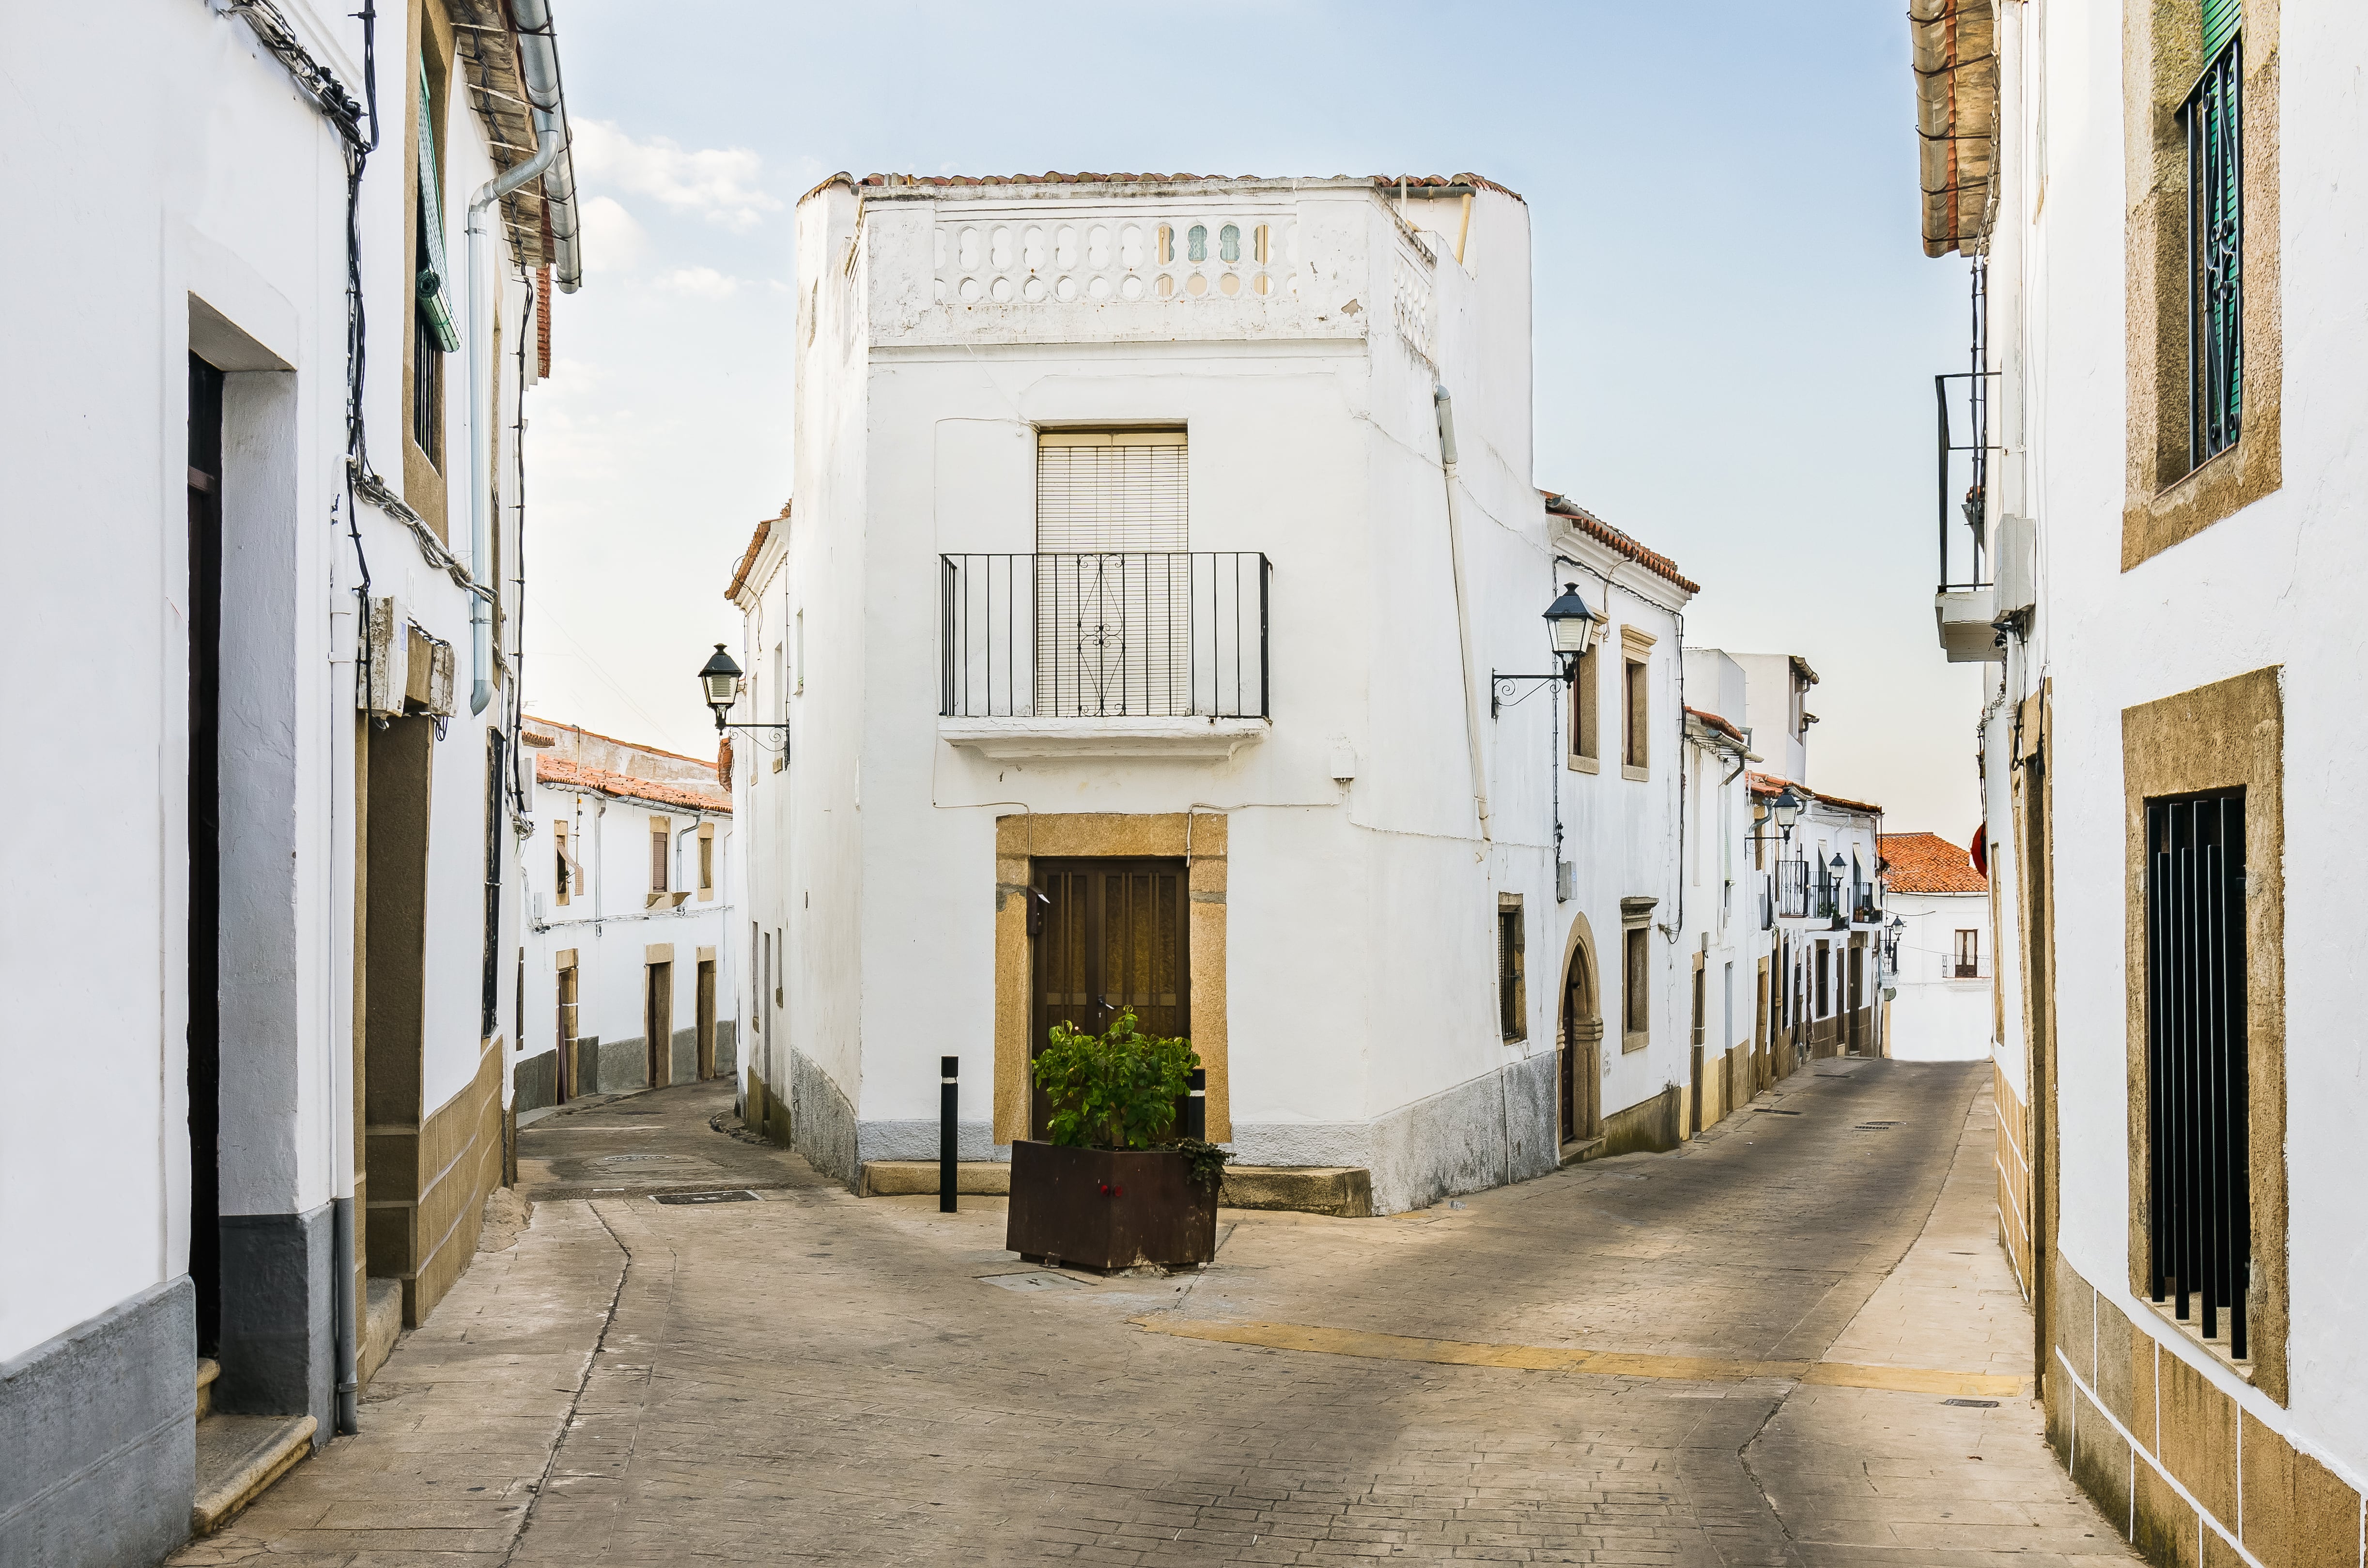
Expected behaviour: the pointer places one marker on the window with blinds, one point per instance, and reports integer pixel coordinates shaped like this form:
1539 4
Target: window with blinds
1512 991
2213 119
1113 579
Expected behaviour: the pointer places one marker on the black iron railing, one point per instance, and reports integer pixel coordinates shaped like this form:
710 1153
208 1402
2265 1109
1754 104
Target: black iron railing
1965 434
1107 634
2198 1128
1793 899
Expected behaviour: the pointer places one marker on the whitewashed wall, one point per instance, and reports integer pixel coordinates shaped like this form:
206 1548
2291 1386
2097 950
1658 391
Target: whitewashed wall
1936 1015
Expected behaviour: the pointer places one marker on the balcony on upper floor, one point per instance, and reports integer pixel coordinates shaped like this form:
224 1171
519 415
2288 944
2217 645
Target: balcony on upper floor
1112 653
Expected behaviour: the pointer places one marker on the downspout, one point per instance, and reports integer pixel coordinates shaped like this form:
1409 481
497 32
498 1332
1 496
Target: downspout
538 65
1445 406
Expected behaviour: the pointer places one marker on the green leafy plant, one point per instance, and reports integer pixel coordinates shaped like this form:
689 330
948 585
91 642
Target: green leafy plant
1114 1090
1204 1162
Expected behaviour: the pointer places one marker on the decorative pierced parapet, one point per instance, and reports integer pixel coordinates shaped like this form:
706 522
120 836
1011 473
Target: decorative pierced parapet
1179 256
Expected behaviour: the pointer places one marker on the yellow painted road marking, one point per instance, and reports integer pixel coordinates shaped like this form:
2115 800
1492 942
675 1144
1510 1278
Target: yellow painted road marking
1598 1363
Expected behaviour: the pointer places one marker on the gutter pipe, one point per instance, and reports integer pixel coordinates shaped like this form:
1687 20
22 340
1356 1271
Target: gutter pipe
1445 406
538 65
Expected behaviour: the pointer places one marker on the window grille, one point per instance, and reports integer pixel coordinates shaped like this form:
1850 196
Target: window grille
2198 1158
1511 1006
2213 118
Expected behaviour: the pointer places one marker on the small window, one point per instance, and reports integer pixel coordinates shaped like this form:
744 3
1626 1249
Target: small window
1166 250
562 882
1259 246
657 854
1512 1003
2211 119
706 861
1969 955
1636 717
1636 1003
1229 244
1196 242
1584 723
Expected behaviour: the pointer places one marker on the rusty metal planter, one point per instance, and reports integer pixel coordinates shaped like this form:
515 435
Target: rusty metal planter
1109 1208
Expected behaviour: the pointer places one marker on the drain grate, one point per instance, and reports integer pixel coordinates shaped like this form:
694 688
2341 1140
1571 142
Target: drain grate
1875 1126
705 1198
1973 1404
1771 1110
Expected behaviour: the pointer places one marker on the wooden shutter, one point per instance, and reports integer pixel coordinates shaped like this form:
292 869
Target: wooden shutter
2221 20
1113 581
1105 490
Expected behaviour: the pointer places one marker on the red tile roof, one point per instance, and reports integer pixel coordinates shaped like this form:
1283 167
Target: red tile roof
1388 182
1715 722
748 557
1603 533
1770 784
1926 862
559 770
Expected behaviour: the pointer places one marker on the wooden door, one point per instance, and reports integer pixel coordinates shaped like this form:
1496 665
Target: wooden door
657 1023
1113 940
568 1070
706 1011
1856 999
1582 1039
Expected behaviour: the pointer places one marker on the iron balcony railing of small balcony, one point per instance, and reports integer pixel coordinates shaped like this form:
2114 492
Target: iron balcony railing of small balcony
1108 634
1793 899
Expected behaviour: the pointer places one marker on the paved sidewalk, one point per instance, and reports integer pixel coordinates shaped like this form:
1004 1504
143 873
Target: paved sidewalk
805 1376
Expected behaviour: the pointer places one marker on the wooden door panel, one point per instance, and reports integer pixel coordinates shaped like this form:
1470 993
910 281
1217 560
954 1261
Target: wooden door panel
1113 939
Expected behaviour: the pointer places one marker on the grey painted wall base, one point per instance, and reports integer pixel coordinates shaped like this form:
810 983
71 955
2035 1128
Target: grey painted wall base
727 1049
98 1453
1484 1132
822 1122
279 1316
534 1082
974 1140
682 1063
623 1065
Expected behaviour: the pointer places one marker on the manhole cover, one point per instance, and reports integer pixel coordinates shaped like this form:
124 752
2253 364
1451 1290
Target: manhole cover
705 1198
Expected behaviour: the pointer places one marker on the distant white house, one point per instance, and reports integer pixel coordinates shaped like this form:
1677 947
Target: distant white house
1939 1006
630 883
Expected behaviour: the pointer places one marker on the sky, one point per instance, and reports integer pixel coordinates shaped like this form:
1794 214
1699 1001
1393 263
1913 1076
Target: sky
1737 326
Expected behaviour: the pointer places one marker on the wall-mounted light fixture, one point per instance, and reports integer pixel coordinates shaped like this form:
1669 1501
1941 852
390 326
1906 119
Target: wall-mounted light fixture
719 678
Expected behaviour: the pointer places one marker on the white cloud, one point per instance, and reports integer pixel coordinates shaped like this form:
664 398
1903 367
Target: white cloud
723 183
613 242
698 283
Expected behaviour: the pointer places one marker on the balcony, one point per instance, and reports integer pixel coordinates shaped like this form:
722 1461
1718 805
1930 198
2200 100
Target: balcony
1793 889
1121 653
1965 606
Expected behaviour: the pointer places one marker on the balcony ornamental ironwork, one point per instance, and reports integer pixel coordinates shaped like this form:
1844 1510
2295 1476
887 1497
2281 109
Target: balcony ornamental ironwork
1793 899
1106 634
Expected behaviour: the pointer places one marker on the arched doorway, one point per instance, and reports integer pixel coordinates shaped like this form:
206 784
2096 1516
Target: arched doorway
1580 1044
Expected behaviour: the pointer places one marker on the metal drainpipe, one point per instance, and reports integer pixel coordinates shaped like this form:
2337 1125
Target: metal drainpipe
538 65
1445 406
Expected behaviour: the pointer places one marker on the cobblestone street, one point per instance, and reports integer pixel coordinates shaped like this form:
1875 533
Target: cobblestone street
1779 1345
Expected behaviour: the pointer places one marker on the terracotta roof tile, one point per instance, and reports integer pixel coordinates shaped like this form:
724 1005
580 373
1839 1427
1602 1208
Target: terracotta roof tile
559 770
1715 722
748 557
1770 784
1388 182
1926 862
1603 533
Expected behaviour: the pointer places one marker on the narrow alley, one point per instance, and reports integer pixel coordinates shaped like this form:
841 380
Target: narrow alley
1794 1340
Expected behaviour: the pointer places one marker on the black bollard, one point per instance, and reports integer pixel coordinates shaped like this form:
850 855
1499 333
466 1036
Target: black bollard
949 1106
1196 1103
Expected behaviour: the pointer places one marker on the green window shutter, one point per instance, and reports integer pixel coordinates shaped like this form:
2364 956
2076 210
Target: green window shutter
2221 20
435 299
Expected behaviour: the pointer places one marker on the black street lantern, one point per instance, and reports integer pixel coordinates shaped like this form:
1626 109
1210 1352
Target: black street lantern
720 676
1788 809
1572 624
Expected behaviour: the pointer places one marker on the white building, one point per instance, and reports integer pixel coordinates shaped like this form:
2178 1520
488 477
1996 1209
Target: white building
2164 569
1136 633
1939 1003
262 995
629 882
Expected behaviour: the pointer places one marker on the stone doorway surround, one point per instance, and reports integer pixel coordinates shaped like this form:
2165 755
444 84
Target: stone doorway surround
1197 838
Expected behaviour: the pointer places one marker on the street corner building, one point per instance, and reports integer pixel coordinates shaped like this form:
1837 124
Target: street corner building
1166 621
629 879
2147 537
264 646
